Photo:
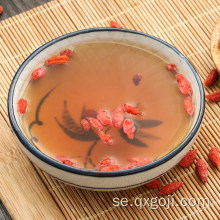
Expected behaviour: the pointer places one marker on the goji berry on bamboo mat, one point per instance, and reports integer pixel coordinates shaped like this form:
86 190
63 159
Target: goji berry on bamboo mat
104 118
57 60
136 79
137 161
188 158
184 85
85 124
129 128
95 123
105 137
171 67
38 74
211 78
67 52
215 96
115 24
131 109
105 162
111 168
214 156
170 188
22 105
154 184
1 9
188 105
118 117
201 170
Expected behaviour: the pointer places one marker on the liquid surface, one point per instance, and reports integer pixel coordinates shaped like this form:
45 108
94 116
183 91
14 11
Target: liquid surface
99 76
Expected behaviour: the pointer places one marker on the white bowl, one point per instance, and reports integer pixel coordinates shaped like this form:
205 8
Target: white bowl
106 180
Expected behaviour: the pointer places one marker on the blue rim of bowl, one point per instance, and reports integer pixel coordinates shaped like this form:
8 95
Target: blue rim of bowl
37 153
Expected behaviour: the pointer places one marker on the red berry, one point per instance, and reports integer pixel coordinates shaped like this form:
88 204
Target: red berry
85 124
66 160
111 168
188 158
188 105
170 188
38 74
127 167
128 128
137 161
105 138
118 117
183 84
214 156
136 79
114 24
104 118
22 105
67 52
155 184
95 123
131 110
211 78
215 96
1 9
201 170
171 67
105 162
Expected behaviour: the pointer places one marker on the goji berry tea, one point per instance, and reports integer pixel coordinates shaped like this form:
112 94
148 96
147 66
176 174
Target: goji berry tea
106 106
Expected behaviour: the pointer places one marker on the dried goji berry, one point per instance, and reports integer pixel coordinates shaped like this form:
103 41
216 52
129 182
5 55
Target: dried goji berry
183 84
170 188
215 96
1 9
105 162
128 128
67 52
155 184
137 161
171 67
105 137
214 156
95 123
104 118
188 105
201 170
118 117
61 158
22 105
85 124
66 160
57 60
188 158
38 74
90 113
211 78
114 24
131 110
136 79
128 167
111 168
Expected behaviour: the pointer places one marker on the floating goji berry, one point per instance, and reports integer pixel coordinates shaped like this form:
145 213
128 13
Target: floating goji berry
129 166
136 79
66 160
105 162
38 74
105 137
128 128
171 67
170 188
137 161
90 113
85 124
57 60
61 157
155 184
104 118
188 105
131 110
118 117
215 96
188 158
22 105
67 52
211 78
114 24
95 123
111 168
201 170
214 156
183 84
1 9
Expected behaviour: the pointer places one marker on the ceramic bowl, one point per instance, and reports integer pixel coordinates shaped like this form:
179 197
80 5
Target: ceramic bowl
106 180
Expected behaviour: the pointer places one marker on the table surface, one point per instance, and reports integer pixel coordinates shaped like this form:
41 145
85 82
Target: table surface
11 8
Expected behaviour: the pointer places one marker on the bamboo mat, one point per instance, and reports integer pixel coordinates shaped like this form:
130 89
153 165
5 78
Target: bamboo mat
27 192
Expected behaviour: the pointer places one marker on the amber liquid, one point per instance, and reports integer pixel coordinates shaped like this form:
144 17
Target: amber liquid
100 76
